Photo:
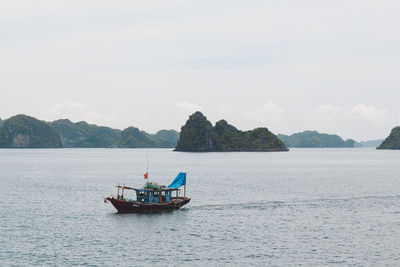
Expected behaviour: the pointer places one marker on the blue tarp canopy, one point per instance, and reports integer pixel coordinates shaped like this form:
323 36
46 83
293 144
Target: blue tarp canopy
179 180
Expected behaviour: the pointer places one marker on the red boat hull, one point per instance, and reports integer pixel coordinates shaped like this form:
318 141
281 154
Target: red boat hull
124 206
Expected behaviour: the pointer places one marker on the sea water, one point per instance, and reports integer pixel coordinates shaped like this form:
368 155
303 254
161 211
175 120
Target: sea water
310 207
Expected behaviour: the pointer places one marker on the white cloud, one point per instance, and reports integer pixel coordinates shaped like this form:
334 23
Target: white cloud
329 110
369 113
69 110
189 107
269 111
76 111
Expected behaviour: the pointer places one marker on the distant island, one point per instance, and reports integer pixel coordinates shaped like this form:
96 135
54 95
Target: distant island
198 135
370 143
392 141
314 139
22 131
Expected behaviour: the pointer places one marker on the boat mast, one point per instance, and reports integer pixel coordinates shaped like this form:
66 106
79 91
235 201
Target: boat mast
147 164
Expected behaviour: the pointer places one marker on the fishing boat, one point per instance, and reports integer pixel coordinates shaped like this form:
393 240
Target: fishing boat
152 197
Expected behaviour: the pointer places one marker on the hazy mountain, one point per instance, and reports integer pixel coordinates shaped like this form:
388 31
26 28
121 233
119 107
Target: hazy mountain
314 139
82 134
370 143
134 138
198 135
167 138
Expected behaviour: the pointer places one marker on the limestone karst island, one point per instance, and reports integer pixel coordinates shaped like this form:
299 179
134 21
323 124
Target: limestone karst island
393 140
199 135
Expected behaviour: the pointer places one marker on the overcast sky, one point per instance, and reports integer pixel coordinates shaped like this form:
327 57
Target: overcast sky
331 66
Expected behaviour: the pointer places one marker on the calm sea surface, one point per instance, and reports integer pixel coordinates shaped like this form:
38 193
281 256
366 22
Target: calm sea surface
310 207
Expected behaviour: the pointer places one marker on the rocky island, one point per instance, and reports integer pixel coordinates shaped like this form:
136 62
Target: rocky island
199 135
393 140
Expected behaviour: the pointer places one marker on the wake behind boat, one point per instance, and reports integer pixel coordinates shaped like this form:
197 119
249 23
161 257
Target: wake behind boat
152 197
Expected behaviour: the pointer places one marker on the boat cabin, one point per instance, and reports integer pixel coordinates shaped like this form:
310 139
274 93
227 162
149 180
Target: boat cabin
155 195
149 194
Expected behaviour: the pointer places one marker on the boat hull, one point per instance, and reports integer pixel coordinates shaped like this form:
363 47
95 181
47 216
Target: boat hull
124 206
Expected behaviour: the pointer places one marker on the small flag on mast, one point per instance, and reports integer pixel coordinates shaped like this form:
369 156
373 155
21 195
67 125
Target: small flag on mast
146 175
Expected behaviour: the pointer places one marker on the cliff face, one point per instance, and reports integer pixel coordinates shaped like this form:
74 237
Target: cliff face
393 140
198 135
22 131
314 139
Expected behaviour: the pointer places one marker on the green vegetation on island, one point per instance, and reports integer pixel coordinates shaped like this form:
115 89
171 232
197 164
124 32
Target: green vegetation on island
314 139
198 135
22 131
392 141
